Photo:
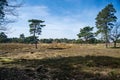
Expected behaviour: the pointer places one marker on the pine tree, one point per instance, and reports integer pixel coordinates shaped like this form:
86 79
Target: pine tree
105 22
35 28
86 33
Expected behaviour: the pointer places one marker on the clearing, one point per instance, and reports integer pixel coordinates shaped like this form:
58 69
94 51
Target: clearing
59 62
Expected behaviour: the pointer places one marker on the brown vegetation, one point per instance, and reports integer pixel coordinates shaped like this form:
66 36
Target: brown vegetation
59 62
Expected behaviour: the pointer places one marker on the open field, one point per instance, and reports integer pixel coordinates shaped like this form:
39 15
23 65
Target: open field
59 62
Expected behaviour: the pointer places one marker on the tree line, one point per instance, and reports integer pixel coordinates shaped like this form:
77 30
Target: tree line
30 40
108 29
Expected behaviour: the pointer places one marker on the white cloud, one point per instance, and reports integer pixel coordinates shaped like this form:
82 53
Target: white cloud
66 26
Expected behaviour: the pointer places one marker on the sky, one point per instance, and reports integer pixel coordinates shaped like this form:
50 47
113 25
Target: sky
63 18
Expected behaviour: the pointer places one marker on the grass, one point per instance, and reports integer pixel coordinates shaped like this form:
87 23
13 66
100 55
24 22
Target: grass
2 59
59 62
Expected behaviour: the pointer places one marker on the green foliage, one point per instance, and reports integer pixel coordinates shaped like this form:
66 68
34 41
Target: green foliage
105 21
79 41
14 40
30 39
62 40
118 41
92 41
86 33
46 40
35 28
22 38
3 37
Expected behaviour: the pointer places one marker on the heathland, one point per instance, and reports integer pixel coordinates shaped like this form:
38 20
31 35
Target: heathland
59 61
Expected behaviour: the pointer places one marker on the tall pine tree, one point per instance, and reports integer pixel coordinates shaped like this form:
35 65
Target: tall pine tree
35 28
105 21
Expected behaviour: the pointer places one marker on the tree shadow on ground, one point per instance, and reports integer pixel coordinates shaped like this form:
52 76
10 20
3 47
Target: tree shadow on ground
115 47
64 68
57 48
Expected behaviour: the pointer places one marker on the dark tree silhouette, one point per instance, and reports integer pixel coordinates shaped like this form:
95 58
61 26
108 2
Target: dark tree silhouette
86 33
105 21
35 28
3 37
7 8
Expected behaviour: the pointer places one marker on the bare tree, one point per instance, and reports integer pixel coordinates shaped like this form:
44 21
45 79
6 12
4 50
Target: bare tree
7 11
115 34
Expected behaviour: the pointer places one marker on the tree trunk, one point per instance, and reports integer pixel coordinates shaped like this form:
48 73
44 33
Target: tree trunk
106 35
106 42
35 41
114 44
36 45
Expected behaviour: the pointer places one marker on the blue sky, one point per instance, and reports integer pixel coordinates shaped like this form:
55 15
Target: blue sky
63 18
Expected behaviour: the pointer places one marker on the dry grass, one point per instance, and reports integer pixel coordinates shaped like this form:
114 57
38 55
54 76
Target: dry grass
63 61
27 51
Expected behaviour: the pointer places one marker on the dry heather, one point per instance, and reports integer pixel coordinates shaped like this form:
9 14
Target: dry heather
27 51
59 62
